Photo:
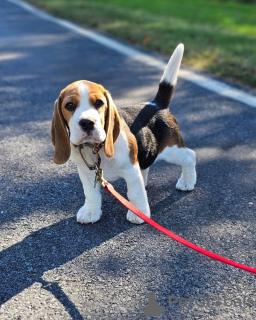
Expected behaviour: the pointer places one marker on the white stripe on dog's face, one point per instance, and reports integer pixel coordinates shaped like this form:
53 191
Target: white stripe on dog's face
86 111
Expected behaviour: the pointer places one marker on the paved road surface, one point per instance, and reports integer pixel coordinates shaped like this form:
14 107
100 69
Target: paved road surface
53 268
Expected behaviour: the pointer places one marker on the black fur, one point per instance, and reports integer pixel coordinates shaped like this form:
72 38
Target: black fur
164 95
151 126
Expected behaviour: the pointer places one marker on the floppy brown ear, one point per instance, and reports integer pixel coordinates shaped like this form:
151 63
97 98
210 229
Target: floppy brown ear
112 126
60 138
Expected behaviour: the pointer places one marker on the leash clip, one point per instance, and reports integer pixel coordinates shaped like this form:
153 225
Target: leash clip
99 177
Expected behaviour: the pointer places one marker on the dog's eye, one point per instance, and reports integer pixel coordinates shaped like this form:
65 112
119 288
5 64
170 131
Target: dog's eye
98 104
70 106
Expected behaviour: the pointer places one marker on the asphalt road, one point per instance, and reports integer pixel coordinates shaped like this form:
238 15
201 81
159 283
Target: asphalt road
51 267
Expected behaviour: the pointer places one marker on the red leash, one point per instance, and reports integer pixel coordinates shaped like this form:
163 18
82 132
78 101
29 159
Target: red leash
107 186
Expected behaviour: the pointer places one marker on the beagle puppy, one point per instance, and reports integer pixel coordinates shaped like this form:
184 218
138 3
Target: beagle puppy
134 138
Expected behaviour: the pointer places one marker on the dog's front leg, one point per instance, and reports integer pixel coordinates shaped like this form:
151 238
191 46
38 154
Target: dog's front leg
136 193
91 210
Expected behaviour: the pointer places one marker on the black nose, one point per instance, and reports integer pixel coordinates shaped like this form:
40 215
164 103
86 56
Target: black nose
86 124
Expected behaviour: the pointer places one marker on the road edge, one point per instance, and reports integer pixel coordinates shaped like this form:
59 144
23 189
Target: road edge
135 54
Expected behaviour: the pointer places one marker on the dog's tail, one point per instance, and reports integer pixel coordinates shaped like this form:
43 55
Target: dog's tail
169 79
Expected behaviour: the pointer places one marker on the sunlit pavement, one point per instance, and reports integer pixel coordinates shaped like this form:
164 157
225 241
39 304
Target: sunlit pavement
51 267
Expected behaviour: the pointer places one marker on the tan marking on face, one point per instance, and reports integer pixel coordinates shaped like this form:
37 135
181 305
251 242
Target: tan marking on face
71 94
97 92
132 143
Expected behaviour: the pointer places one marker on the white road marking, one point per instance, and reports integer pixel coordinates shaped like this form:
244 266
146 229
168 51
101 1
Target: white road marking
216 86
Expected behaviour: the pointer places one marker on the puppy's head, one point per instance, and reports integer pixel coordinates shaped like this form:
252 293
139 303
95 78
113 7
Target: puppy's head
84 112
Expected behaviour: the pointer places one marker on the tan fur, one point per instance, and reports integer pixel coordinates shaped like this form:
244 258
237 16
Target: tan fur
112 126
132 143
96 92
69 94
109 118
60 138
61 117
174 138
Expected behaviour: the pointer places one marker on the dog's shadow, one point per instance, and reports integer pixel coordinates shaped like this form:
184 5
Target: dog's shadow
24 263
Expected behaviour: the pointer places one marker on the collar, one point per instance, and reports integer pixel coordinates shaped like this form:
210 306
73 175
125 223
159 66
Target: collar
95 147
95 150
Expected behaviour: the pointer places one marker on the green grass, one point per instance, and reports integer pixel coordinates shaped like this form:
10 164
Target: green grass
219 36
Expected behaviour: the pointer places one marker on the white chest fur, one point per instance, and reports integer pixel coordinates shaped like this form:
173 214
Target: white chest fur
113 167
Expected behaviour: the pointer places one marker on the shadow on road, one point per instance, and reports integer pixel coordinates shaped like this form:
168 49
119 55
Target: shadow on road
38 64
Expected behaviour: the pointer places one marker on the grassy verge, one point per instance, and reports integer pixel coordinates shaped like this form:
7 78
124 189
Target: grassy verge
219 36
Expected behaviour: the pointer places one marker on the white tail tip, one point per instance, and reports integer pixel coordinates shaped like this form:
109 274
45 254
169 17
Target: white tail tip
173 66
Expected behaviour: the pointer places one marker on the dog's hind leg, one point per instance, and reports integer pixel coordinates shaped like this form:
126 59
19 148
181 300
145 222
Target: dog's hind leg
186 158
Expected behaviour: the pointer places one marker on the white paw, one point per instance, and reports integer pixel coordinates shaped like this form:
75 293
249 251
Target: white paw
185 185
85 215
135 219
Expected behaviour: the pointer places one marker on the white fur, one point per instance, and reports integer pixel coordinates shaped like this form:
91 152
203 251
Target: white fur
85 111
186 158
115 167
173 66
145 176
119 165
